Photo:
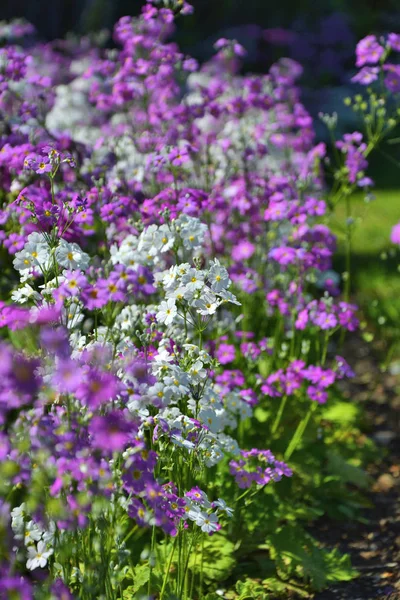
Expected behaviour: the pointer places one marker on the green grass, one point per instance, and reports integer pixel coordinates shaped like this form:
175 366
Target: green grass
373 221
375 262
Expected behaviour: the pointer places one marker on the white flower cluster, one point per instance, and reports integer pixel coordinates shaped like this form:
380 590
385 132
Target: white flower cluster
199 510
189 382
38 541
38 256
196 290
147 248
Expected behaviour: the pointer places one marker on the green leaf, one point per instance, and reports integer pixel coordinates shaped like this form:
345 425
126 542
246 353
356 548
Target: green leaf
297 554
261 415
341 412
347 472
339 566
141 575
250 590
218 559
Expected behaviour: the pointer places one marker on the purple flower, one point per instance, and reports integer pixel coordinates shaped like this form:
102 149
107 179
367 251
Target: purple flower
392 79
368 51
302 319
60 591
97 388
67 376
317 394
111 432
322 377
225 353
343 368
243 250
394 41
283 255
366 75
395 234
94 296
15 586
325 320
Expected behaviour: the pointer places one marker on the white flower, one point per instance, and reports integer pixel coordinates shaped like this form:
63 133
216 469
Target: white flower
167 312
222 505
24 260
17 519
193 512
213 457
207 523
176 386
208 303
170 278
196 372
179 441
32 533
71 256
24 294
228 297
38 556
166 238
35 252
161 393
210 418
193 280
218 276
177 294
48 535
191 230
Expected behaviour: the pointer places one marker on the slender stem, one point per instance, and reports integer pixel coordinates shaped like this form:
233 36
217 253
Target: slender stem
298 434
279 414
348 248
166 576
185 570
153 539
201 568
193 573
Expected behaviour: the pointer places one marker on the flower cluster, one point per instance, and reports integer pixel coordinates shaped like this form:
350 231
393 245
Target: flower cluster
170 224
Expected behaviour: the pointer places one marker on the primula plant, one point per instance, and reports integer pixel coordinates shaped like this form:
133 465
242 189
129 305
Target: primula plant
171 326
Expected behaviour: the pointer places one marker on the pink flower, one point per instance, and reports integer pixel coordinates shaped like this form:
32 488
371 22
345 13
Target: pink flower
243 250
395 234
368 51
226 353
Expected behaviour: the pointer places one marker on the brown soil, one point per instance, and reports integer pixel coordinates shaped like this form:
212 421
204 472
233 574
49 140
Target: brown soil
375 546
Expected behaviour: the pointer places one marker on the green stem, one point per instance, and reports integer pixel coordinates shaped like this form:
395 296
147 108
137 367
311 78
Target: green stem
153 538
201 568
298 434
166 576
186 570
280 413
348 248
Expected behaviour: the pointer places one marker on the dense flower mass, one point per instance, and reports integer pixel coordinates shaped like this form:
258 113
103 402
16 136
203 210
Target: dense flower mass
169 274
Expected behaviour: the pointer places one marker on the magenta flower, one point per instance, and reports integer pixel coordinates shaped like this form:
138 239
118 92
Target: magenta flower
392 79
366 75
97 388
225 353
319 376
325 320
111 432
283 255
94 296
395 234
243 250
317 394
368 51
394 41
